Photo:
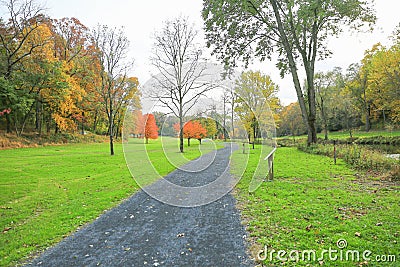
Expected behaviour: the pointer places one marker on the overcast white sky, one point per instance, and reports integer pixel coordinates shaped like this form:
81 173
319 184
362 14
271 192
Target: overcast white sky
141 18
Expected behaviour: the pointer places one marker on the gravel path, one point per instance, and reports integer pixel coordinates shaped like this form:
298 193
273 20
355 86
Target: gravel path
145 232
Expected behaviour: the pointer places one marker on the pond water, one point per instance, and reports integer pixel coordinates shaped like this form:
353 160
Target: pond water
393 156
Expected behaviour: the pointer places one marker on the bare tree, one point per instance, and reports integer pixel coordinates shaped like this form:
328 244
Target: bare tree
113 47
25 16
181 81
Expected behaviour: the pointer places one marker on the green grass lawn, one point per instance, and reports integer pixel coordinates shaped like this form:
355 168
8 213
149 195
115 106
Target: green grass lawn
48 192
359 134
312 204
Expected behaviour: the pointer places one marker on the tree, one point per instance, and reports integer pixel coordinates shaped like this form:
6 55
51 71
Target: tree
297 30
24 17
327 85
384 82
179 84
346 110
256 100
36 75
192 129
150 127
291 121
160 120
210 125
112 45
139 123
72 47
127 95
358 85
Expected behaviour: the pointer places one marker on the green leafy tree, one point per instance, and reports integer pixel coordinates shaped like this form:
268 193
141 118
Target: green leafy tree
296 29
210 125
327 88
384 83
291 123
23 19
256 102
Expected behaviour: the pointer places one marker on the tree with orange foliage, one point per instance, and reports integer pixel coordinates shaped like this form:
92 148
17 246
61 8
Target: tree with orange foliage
192 129
150 127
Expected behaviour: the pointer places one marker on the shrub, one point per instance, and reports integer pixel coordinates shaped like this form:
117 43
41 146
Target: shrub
358 156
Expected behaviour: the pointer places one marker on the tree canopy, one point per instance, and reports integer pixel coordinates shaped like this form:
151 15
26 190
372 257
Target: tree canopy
296 30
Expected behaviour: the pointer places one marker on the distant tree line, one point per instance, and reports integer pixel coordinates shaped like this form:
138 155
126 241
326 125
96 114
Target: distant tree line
365 95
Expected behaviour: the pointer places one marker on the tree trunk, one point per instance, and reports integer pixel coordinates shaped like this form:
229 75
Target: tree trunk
384 119
309 121
181 133
324 119
224 122
8 123
83 127
254 133
38 117
111 126
48 126
147 140
21 130
367 117
366 105
111 141
188 141
232 114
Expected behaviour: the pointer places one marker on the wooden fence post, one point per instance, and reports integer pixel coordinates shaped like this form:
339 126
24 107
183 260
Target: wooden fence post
270 158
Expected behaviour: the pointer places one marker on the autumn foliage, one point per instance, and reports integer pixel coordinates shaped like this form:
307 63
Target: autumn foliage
150 130
192 129
51 77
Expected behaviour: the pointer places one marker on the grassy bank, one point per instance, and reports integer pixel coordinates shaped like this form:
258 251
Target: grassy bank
11 140
48 192
360 157
312 204
359 137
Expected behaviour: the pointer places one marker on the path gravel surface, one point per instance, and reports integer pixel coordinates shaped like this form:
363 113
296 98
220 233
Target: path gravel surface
145 232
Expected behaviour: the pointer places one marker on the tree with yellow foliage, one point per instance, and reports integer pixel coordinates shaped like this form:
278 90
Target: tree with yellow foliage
256 103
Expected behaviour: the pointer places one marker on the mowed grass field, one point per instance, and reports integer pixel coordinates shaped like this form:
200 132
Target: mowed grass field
49 192
311 204
356 134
